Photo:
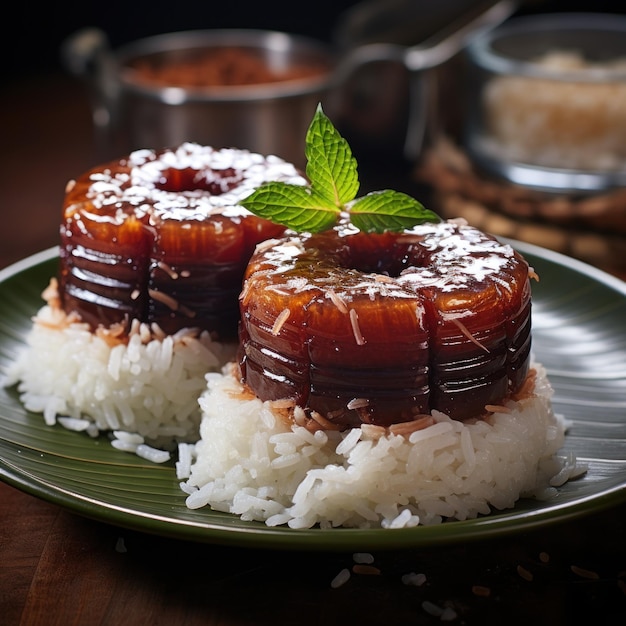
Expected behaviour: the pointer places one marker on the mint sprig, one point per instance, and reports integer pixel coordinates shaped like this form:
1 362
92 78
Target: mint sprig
379 211
299 208
331 166
334 184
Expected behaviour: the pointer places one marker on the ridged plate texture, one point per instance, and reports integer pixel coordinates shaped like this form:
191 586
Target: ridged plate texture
579 334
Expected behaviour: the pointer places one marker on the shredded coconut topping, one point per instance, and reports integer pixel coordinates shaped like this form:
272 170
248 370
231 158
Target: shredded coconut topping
354 320
444 256
148 169
280 321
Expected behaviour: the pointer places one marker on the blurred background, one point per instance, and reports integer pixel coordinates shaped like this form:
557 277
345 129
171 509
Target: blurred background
48 136
48 133
31 38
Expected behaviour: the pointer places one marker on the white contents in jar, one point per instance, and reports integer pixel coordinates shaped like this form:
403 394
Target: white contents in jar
574 124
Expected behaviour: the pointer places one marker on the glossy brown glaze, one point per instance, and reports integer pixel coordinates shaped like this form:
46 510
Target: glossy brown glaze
160 237
382 328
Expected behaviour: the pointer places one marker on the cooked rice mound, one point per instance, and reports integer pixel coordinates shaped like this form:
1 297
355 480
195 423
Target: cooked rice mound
146 383
255 462
270 461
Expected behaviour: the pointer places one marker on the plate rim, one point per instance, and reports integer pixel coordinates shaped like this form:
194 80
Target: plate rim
498 523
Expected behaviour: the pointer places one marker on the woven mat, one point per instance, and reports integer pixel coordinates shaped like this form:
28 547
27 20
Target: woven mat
591 228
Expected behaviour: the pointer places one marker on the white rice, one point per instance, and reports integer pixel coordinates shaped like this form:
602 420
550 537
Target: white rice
559 123
156 394
147 388
252 462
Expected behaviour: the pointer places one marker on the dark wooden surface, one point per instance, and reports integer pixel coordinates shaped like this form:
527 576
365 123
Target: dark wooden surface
60 568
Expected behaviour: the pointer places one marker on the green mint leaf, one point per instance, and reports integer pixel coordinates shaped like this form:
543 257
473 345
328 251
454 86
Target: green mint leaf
389 210
331 167
293 206
334 183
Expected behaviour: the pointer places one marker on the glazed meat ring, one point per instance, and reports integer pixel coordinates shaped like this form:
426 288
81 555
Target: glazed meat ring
364 328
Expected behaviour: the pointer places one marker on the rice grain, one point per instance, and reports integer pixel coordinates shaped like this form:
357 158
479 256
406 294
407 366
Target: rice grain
148 385
368 477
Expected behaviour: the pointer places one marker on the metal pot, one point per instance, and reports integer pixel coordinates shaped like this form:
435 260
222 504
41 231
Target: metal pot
269 118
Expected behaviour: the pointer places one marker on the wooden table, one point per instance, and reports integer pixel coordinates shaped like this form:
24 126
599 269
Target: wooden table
59 568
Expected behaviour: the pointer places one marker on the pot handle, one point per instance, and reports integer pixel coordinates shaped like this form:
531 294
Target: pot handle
423 57
87 54
434 53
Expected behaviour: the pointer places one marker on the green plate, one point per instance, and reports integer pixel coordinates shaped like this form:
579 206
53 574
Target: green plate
579 335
